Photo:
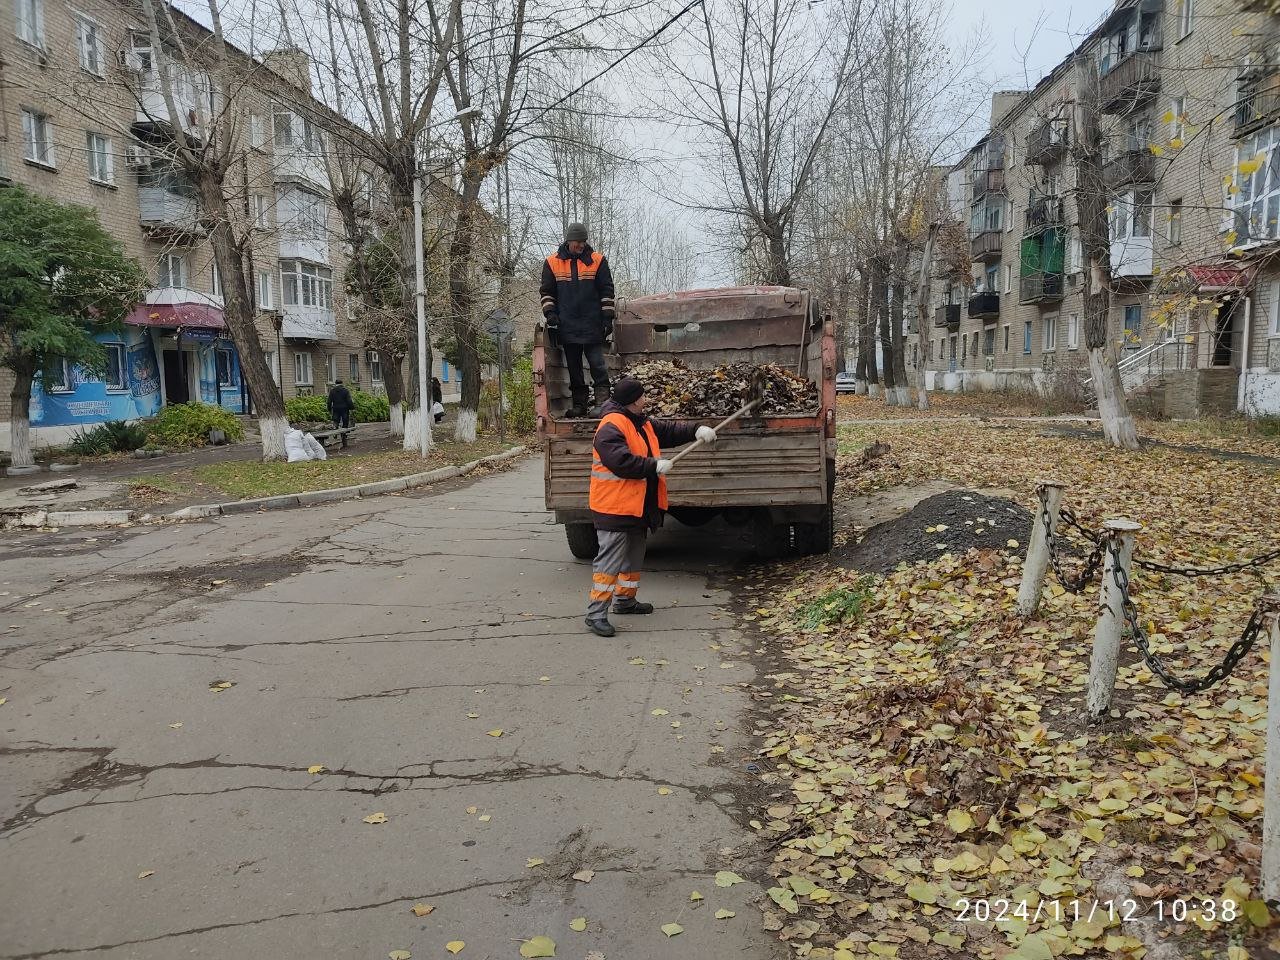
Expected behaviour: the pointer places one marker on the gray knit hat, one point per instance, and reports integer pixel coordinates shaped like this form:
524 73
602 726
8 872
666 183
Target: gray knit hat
576 231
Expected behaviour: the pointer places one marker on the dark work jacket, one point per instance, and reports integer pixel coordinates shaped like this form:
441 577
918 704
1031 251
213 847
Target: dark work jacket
577 293
617 456
340 399
437 392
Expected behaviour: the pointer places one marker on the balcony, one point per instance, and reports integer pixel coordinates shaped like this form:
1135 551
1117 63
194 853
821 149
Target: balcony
1131 257
1040 288
1131 166
304 245
1258 106
987 181
948 315
1042 213
308 323
1048 142
985 306
988 245
168 213
300 165
1130 83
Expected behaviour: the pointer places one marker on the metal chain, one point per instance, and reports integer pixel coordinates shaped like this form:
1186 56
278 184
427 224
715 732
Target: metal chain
1236 653
1078 582
1258 561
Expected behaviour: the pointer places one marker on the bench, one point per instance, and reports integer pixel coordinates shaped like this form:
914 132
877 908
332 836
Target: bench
331 437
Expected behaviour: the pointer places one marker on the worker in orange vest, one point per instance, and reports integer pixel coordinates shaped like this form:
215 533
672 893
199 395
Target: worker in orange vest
628 497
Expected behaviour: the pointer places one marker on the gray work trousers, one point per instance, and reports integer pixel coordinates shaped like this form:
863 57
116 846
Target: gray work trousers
616 572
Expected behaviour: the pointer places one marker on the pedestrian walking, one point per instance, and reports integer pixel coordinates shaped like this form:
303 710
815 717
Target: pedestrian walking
577 302
340 405
628 496
437 399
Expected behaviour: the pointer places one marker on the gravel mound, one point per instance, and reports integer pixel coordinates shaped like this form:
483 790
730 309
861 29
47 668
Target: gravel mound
951 522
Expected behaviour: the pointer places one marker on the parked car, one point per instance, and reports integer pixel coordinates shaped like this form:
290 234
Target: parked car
845 383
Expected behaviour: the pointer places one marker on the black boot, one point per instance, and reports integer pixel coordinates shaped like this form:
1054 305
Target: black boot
601 628
579 408
635 606
602 395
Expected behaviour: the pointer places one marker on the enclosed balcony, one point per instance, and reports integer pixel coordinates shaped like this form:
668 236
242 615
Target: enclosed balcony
1259 103
987 181
1047 142
985 306
1130 166
947 315
987 245
1043 212
167 204
1040 288
1131 83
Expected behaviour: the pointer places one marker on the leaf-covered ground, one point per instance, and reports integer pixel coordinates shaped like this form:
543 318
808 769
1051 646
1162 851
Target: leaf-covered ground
938 791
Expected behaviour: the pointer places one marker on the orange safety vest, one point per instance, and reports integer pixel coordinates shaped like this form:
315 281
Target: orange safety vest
617 495
563 269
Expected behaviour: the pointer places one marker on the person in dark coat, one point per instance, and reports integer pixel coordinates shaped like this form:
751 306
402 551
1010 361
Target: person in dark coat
628 497
577 302
340 405
437 399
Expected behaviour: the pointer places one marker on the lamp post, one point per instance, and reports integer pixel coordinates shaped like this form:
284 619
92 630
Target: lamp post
420 298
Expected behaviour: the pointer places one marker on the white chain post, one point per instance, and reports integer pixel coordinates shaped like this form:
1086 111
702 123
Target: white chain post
1037 562
1111 622
1271 785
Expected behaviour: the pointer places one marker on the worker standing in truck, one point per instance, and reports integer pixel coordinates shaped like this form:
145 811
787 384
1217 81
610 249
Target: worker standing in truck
627 498
577 302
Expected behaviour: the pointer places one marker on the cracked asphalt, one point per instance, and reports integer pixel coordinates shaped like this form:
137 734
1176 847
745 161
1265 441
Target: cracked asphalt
145 813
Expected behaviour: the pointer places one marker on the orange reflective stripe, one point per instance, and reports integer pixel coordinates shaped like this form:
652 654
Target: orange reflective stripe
603 577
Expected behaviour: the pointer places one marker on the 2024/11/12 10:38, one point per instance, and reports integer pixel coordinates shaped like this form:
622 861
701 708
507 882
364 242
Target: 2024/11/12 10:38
1127 909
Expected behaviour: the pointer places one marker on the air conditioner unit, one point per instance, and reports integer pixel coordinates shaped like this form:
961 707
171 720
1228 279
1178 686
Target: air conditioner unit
137 157
990 364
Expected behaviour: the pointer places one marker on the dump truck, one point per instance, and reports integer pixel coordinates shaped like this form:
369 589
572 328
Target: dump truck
774 473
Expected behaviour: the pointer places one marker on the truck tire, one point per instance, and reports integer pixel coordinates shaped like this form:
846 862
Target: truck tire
583 542
773 541
816 538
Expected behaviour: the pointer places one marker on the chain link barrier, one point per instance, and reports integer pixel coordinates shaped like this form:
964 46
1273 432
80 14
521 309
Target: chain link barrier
1092 562
1237 651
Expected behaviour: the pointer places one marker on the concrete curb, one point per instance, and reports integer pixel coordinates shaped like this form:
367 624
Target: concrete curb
395 485
33 519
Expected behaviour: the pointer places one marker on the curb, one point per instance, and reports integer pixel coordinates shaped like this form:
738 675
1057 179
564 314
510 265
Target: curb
395 485
33 519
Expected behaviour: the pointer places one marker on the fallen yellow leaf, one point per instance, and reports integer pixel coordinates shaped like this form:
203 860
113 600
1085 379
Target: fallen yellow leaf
376 818
455 946
495 733
727 878
695 896
578 924
538 947
664 791
146 873
422 909
584 875
400 955
672 929
534 862
315 768
724 914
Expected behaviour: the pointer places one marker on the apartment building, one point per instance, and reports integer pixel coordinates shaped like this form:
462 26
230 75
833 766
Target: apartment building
1189 99
83 120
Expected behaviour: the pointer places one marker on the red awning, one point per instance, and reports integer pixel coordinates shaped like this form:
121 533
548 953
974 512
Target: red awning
1221 276
177 308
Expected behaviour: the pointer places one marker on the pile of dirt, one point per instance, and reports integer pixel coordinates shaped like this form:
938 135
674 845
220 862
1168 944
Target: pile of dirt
673 390
951 522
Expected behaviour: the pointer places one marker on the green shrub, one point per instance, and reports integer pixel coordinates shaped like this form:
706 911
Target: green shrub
314 409
371 408
188 424
521 415
841 605
113 436
306 409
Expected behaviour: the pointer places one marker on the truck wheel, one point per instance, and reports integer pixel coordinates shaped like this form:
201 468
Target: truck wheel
583 542
773 541
817 538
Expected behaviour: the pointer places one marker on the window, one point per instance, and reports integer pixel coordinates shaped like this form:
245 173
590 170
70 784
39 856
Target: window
215 281
1178 119
1186 17
1075 255
1132 325
1120 219
375 366
31 22
305 213
302 369
1257 201
1175 222
993 278
274 363
1026 336
226 367
37 135
1008 278
1006 338
60 376
444 371
115 378
102 168
975 343
171 271
353 367
306 284
1142 213
331 368
989 342
266 298
1073 331
964 349
89 40
260 219
1050 332
1275 308
257 130
284 129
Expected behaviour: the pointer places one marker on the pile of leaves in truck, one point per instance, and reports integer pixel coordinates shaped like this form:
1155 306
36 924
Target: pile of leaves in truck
674 390
935 788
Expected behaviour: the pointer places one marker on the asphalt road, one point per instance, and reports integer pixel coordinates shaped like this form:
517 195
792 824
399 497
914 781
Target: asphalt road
148 814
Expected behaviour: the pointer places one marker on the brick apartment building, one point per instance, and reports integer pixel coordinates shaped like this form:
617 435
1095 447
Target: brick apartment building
82 115
1190 104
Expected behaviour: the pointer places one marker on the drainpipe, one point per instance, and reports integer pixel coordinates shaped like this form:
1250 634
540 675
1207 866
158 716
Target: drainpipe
1241 397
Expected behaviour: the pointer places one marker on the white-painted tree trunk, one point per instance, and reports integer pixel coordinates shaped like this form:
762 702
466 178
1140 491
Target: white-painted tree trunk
860 388
397 420
273 430
1117 423
464 428
411 437
20 439
903 396
873 389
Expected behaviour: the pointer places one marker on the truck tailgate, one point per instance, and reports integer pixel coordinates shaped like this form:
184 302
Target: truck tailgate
743 469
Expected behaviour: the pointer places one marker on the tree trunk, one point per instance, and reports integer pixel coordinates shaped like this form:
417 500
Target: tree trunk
461 302
238 312
393 382
867 339
20 417
898 335
922 318
401 173
1091 213
779 267
880 305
